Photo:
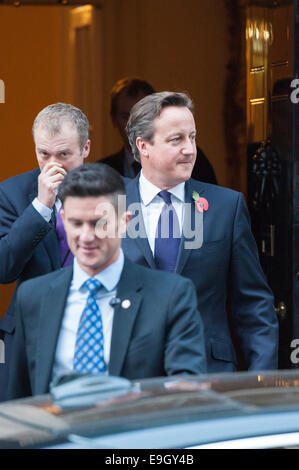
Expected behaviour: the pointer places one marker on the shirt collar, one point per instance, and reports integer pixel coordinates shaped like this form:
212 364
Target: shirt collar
148 191
109 277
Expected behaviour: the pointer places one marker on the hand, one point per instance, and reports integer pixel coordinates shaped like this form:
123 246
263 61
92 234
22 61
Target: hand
48 181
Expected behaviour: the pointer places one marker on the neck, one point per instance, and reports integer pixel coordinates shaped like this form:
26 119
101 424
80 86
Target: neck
160 183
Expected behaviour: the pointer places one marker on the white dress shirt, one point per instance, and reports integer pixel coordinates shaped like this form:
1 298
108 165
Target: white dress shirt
75 304
152 204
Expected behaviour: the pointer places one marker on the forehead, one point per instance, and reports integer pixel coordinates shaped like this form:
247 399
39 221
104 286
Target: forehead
175 118
89 207
65 132
125 102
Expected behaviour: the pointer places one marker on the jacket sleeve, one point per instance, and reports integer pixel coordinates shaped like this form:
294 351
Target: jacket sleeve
252 304
20 233
185 345
18 373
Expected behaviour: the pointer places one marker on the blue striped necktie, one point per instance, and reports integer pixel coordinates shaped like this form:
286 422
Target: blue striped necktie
89 347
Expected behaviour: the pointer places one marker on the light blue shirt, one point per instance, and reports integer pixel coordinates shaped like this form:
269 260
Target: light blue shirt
45 211
75 304
152 204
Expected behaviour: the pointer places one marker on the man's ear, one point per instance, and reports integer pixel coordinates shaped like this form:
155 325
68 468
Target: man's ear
124 222
61 212
86 149
142 146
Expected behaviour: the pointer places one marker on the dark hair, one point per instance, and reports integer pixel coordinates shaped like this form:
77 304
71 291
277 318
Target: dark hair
92 179
131 87
145 111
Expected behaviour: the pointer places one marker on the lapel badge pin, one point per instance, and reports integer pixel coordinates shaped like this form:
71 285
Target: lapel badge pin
201 203
126 303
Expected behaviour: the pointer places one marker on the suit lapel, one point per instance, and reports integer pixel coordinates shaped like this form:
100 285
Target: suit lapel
193 220
133 198
124 318
51 314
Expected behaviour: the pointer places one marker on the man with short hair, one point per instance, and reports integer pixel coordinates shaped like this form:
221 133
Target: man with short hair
103 314
32 240
214 246
125 93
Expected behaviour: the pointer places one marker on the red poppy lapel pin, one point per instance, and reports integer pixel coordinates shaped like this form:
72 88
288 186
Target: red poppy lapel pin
201 203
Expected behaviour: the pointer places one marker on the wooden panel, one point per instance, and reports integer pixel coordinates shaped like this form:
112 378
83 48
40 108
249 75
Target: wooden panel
84 57
257 38
257 120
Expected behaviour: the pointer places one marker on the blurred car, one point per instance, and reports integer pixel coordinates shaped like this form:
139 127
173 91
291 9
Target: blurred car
236 410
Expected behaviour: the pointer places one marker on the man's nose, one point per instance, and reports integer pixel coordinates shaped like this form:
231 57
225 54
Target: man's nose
189 146
53 159
87 233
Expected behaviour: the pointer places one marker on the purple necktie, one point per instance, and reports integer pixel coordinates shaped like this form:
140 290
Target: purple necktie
168 235
65 255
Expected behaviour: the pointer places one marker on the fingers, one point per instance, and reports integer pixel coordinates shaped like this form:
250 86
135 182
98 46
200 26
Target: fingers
48 181
53 168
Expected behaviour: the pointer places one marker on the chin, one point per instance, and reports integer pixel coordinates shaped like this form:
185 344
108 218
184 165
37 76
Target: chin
184 176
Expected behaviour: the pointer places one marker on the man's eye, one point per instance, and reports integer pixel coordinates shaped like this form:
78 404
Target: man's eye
175 139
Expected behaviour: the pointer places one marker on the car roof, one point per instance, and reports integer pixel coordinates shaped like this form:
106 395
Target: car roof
128 407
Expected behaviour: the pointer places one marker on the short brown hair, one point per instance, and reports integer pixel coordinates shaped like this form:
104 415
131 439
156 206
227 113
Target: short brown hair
145 111
131 87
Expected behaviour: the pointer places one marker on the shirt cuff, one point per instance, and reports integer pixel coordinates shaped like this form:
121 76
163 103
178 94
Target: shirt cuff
43 210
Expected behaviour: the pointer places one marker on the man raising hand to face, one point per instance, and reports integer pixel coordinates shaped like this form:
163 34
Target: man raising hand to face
30 232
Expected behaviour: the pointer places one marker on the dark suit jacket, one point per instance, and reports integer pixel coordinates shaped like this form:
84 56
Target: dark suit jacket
227 259
160 334
28 247
202 170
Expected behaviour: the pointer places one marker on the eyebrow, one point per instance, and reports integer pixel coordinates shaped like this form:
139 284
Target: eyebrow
74 219
44 149
173 134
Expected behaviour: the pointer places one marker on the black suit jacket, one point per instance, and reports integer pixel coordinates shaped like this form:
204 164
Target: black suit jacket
202 170
28 248
159 334
227 261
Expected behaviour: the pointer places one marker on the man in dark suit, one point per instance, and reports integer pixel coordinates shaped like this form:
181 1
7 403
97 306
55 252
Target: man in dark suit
125 93
216 249
29 239
103 314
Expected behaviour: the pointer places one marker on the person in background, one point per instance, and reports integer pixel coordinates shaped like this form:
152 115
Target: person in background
125 93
